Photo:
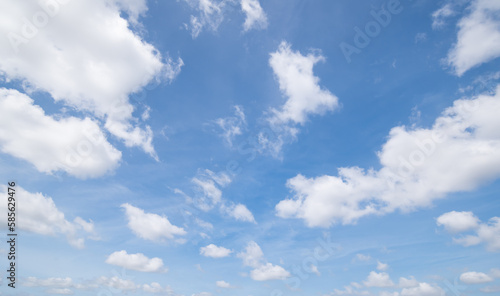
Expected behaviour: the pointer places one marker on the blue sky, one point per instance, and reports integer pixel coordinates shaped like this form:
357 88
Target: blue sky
227 147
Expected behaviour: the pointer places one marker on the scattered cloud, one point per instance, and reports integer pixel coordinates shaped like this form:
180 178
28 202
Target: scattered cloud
239 212
478 39
150 226
415 169
210 14
215 251
137 262
232 126
439 16
262 270
486 233
379 280
382 266
256 18
423 289
40 215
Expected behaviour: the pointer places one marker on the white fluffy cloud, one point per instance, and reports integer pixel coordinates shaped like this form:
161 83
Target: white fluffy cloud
380 280
382 266
76 146
215 251
478 39
137 262
305 96
256 18
239 212
84 54
423 289
40 215
459 153
150 226
156 288
253 257
487 233
473 277
458 221
223 284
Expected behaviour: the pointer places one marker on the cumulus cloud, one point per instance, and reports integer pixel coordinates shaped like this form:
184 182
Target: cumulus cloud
223 284
304 95
423 289
137 262
419 165
487 233
473 277
75 146
239 212
256 18
150 226
111 63
382 266
478 39
40 215
380 280
262 270
408 282
215 251
455 222
156 288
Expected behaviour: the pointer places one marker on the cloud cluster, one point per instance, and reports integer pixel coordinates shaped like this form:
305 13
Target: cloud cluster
487 233
215 251
256 18
40 215
86 56
262 270
418 165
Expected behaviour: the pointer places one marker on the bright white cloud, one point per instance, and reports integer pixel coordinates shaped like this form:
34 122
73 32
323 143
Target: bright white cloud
137 262
473 277
487 233
439 16
215 251
111 62
458 221
305 96
75 146
459 153
380 280
478 39
256 18
269 272
223 284
253 257
40 215
423 289
210 14
150 226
